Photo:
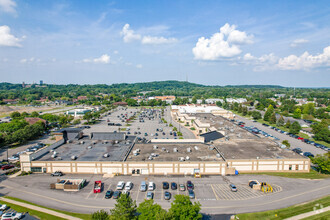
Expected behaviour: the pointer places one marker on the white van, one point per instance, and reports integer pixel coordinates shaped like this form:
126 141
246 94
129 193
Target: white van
151 186
128 186
143 186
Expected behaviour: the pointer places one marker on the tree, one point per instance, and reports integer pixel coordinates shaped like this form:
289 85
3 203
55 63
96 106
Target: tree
125 208
309 109
194 100
286 143
35 114
88 116
288 124
272 118
100 215
321 131
295 127
244 110
268 113
297 113
256 115
280 121
218 103
76 121
149 210
131 102
183 208
322 163
15 115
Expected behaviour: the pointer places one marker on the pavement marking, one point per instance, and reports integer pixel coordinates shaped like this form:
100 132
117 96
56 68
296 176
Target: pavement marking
89 194
161 197
216 196
137 195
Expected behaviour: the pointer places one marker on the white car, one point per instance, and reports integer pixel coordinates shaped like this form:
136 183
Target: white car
11 215
120 185
128 186
151 186
3 207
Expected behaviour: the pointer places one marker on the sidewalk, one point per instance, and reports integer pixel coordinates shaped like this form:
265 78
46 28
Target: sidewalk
308 214
48 211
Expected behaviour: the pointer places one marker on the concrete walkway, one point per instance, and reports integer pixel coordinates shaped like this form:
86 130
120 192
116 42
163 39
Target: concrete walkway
48 211
308 214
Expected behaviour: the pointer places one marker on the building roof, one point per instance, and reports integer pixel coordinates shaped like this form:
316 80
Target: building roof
118 136
120 103
210 136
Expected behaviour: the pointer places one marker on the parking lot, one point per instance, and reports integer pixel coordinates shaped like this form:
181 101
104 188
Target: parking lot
144 125
295 143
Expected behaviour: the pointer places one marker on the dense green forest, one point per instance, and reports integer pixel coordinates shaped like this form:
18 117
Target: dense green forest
177 88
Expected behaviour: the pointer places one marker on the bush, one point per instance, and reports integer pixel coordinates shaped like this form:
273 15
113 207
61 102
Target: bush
192 128
24 173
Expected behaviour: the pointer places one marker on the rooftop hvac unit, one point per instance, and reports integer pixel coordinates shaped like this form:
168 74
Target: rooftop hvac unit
187 158
175 149
138 150
116 142
196 148
163 149
218 155
89 147
188 149
150 158
105 142
155 147
211 147
181 159
70 141
106 155
81 142
73 157
94 142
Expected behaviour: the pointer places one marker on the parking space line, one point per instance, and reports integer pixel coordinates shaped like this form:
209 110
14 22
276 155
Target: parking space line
89 194
137 195
216 196
162 194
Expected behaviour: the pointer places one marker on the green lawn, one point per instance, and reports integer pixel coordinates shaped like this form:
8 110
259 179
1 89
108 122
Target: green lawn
321 216
311 175
37 214
78 215
286 212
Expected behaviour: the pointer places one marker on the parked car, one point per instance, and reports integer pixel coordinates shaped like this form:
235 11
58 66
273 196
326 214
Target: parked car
190 185
308 154
182 187
57 173
116 194
143 186
126 192
3 207
174 186
108 194
167 195
7 167
252 183
128 186
11 215
120 185
233 188
191 194
165 185
150 195
151 186
297 150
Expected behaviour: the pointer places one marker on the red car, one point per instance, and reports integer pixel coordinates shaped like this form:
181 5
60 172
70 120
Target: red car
7 167
300 138
242 126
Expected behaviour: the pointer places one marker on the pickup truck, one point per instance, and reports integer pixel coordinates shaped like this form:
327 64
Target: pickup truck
97 186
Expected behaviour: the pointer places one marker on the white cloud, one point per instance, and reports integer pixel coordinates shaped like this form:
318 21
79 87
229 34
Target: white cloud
139 66
157 40
8 6
7 39
105 58
30 60
264 62
115 52
129 35
298 42
224 44
305 61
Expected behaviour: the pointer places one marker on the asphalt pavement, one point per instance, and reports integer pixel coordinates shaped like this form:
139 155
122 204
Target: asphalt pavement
295 143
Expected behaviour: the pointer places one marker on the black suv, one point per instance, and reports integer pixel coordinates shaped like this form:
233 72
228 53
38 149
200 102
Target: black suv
165 185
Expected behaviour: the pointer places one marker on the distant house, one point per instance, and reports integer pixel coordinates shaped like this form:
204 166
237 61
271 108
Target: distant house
120 103
10 101
32 121
82 98
62 102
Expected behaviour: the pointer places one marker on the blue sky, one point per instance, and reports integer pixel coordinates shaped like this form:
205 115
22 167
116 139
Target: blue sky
210 42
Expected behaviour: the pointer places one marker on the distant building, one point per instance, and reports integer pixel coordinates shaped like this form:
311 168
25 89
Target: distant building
213 101
280 95
120 103
82 98
41 82
10 101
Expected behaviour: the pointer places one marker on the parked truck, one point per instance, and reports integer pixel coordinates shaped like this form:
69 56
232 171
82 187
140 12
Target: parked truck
97 186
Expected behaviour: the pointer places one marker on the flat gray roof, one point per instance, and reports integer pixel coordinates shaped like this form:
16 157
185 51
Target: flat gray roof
117 151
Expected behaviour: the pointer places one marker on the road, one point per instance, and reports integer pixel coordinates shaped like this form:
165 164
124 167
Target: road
35 188
294 142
